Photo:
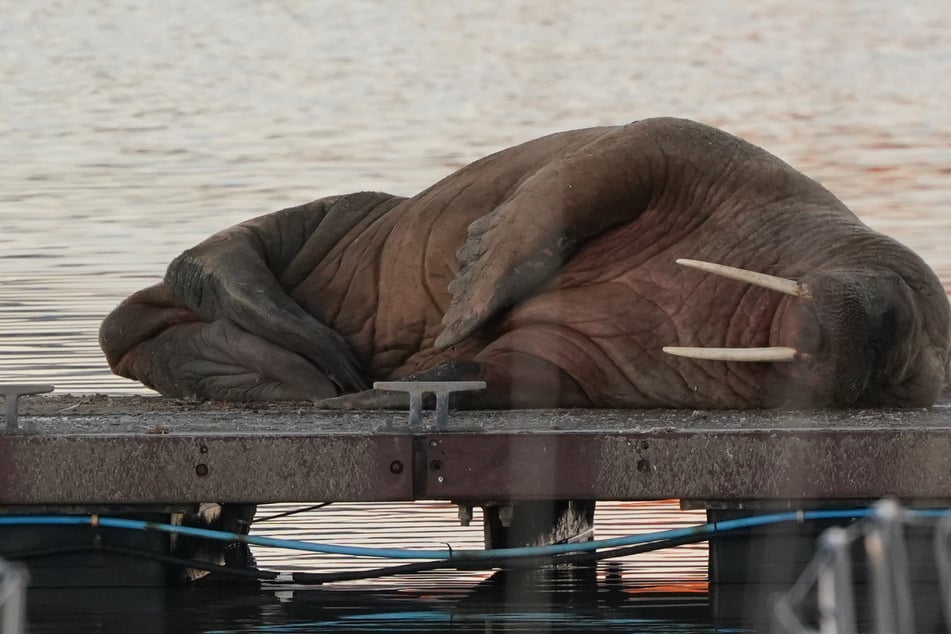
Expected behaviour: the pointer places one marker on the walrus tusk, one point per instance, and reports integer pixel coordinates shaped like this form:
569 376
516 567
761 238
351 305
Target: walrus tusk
781 284
779 353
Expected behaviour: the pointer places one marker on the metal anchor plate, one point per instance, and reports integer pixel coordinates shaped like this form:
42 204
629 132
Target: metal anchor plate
441 389
11 393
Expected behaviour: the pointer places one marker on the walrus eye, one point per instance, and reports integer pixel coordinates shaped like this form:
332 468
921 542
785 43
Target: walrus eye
773 354
781 284
777 354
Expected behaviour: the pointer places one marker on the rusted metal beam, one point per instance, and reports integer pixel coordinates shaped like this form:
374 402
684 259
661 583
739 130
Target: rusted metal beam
704 464
102 450
155 469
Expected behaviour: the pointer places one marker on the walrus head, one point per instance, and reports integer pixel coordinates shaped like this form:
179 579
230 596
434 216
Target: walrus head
851 339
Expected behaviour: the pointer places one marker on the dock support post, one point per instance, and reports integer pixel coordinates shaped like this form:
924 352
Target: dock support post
537 522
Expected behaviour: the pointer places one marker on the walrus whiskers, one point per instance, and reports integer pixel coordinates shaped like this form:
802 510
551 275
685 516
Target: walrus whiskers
774 354
781 284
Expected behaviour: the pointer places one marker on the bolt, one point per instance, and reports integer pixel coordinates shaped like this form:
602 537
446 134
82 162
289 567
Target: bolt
440 479
201 470
396 467
433 443
203 449
643 465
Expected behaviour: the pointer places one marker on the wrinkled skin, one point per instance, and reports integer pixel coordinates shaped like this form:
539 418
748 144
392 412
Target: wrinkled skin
548 270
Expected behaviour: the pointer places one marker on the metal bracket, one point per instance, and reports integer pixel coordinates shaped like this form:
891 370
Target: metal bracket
11 393
416 390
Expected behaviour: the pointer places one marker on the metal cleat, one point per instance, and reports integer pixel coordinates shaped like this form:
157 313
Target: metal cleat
11 393
442 390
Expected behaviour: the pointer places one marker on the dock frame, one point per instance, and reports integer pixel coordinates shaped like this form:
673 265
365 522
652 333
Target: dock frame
146 451
138 454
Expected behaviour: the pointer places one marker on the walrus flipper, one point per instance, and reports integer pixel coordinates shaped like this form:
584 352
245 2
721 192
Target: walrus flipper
513 250
232 276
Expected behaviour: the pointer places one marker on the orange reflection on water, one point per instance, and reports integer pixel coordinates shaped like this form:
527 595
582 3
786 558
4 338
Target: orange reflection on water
674 587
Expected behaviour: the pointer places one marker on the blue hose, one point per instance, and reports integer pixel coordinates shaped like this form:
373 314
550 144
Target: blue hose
398 553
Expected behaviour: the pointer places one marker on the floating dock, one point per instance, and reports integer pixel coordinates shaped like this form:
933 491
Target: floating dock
101 450
152 458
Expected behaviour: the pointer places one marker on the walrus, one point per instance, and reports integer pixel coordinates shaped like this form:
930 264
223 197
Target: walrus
663 263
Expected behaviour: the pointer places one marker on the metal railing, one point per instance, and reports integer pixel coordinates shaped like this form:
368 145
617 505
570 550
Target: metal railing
828 576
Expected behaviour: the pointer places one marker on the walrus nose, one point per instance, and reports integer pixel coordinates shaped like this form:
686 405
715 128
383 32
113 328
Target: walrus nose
780 354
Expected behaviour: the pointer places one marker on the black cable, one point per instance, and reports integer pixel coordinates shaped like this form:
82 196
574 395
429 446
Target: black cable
247 573
317 578
294 512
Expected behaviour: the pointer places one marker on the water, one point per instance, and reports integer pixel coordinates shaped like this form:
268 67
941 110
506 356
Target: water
130 130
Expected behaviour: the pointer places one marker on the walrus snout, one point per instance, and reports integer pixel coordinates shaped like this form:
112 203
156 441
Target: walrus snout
847 330
868 320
